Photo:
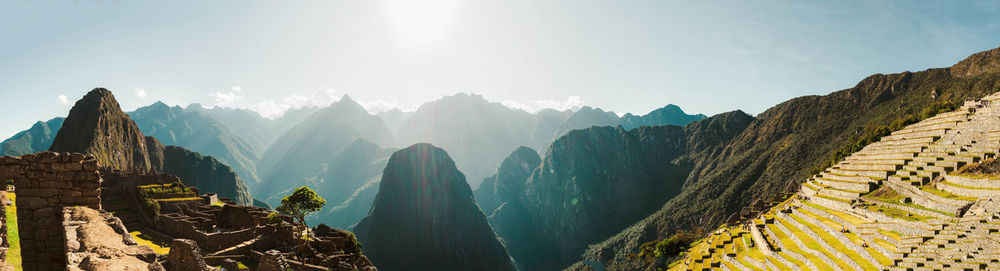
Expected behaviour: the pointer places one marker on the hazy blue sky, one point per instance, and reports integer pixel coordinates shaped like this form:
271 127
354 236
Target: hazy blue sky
627 56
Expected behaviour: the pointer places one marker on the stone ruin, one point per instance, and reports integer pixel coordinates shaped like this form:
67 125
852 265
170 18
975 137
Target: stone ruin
46 182
60 194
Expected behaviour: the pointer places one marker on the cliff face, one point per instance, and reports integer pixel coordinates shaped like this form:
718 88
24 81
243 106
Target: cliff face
977 64
508 182
96 125
424 218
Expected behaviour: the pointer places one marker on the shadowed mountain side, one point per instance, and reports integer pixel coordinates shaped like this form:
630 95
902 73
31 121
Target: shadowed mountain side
303 152
37 138
508 182
595 182
790 141
422 189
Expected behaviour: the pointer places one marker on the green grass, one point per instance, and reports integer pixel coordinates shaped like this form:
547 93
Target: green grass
158 244
14 251
944 194
836 244
813 244
791 246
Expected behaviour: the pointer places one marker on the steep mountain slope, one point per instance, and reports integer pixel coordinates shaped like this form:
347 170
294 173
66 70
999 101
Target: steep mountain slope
595 182
306 150
344 181
97 126
668 115
918 197
444 229
509 180
197 132
791 141
37 138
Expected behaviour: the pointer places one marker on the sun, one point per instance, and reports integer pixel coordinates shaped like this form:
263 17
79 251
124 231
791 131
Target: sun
421 22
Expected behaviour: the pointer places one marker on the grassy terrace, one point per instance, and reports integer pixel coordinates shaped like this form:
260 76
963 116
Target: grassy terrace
812 244
882 259
14 251
836 244
945 194
791 246
179 199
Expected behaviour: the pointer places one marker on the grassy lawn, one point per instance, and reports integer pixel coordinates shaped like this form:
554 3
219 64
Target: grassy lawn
158 244
14 252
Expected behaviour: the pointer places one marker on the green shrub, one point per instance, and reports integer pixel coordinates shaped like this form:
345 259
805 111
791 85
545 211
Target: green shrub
274 218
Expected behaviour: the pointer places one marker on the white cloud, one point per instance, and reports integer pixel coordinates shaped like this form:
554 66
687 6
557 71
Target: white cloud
140 92
62 99
225 99
571 102
378 106
237 89
275 108
533 106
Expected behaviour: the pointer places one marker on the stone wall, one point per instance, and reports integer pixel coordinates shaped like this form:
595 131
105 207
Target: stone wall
46 182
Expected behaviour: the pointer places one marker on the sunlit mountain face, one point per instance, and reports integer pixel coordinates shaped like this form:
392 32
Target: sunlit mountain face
499 135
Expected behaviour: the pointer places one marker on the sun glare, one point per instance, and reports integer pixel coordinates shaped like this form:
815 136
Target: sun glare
421 22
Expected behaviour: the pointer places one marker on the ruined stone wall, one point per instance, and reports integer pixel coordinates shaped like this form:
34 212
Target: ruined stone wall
46 182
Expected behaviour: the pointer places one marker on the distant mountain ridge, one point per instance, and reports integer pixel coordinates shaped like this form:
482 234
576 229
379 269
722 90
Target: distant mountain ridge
479 134
195 131
37 138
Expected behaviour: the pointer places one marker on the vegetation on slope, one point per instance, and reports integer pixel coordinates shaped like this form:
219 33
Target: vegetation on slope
782 144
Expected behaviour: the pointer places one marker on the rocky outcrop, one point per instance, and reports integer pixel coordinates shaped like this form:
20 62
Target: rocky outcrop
977 64
185 255
445 230
97 126
95 240
508 182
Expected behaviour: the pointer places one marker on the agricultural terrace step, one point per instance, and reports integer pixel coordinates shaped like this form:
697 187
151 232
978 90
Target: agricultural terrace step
869 160
847 185
966 191
884 167
902 156
917 132
881 174
846 178
973 182
840 194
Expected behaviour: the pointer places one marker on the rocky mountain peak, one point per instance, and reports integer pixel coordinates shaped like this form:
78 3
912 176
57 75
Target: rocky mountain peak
97 125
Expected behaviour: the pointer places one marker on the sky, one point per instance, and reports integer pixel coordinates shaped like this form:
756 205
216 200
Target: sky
627 56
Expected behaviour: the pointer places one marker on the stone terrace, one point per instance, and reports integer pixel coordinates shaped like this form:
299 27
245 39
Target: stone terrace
890 206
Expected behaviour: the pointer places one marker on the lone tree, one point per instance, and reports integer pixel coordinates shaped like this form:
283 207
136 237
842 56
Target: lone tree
300 203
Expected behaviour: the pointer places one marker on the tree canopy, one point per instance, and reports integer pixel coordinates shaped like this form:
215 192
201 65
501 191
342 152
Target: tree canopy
300 203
